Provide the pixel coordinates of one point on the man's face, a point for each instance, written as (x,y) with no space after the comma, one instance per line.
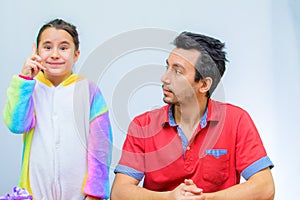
(179,86)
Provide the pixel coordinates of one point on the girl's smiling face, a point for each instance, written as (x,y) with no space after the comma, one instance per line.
(57,49)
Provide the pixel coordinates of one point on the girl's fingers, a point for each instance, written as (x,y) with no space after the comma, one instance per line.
(33,64)
(36,57)
(33,50)
(32,68)
(40,66)
(36,60)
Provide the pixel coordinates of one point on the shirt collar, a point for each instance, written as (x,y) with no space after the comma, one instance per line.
(203,121)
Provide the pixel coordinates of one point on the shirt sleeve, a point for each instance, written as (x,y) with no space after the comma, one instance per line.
(132,161)
(18,112)
(250,151)
(99,147)
(138,175)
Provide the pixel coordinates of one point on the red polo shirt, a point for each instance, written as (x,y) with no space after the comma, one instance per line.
(225,146)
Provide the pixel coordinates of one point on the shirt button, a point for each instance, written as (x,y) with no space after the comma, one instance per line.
(188,148)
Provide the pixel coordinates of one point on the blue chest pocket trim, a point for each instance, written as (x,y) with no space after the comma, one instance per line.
(216,152)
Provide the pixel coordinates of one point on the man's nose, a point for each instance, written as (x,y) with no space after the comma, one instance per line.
(165,78)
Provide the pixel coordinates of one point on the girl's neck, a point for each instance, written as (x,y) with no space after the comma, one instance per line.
(57,80)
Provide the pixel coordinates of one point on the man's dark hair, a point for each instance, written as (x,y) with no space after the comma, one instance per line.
(211,62)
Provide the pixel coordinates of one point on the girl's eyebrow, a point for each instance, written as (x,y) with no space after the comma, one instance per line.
(63,42)
(46,42)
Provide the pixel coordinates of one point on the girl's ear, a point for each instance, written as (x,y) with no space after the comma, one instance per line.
(205,85)
(76,55)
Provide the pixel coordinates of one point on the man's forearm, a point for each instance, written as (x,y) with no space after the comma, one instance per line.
(132,192)
(260,187)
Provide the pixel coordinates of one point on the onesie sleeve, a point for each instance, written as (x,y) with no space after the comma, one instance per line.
(99,147)
(18,112)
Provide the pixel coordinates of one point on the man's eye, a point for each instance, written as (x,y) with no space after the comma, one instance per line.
(177,71)
(47,47)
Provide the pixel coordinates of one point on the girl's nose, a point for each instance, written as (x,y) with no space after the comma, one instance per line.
(55,54)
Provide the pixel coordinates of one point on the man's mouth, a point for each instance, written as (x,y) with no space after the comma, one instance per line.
(166,90)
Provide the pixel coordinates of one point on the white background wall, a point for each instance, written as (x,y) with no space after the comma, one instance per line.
(263,44)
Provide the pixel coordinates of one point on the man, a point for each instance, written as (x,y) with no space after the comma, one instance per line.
(194,148)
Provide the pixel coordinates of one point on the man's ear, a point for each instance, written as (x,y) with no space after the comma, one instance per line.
(205,84)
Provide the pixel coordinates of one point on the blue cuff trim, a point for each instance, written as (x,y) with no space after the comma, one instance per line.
(257,166)
(129,171)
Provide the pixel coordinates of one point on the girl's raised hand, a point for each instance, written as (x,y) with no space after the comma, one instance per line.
(33,64)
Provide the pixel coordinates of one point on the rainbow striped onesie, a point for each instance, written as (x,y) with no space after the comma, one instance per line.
(67,137)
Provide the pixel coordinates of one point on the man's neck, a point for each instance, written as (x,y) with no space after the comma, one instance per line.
(188,116)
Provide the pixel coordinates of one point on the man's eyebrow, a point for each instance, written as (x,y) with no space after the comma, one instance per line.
(175,65)
(179,65)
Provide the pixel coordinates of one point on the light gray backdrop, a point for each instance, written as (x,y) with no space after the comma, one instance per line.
(124,45)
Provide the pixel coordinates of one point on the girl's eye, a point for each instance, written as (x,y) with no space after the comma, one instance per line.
(47,47)
(63,48)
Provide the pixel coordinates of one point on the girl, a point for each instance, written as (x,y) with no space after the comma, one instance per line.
(64,120)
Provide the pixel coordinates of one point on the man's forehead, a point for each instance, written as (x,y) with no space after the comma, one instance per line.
(189,55)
